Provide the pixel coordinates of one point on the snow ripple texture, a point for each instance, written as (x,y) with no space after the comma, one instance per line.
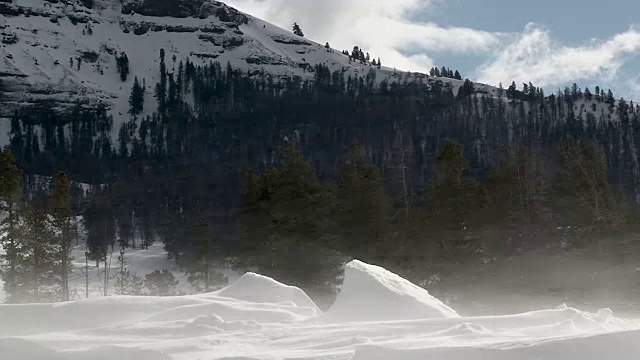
(377,315)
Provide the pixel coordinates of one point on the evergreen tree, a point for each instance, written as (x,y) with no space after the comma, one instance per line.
(518,189)
(455,201)
(161,86)
(60,208)
(10,235)
(512,91)
(355,54)
(99,222)
(204,259)
(582,186)
(122,64)
(285,226)
(609,99)
(18,143)
(161,283)
(127,283)
(297,30)
(38,269)
(363,208)
(136,99)
(123,141)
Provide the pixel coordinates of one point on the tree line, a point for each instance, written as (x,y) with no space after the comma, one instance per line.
(36,238)
(175,175)
(299,229)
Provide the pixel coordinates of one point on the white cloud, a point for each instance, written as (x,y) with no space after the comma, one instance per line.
(534,56)
(384,28)
(388,29)
(633,86)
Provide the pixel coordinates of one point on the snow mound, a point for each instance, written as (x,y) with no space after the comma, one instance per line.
(261,289)
(235,311)
(464,329)
(372,293)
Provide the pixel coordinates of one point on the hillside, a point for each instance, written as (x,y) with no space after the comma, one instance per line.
(42,42)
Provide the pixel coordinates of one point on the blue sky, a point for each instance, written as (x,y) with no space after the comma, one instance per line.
(571,23)
(551,43)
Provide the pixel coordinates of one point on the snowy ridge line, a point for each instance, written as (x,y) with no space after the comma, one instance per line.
(259,318)
(39,57)
(42,42)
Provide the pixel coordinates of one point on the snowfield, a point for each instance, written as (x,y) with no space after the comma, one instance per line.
(378,315)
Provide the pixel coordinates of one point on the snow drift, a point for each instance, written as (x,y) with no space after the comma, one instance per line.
(261,289)
(372,293)
(617,346)
(378,315)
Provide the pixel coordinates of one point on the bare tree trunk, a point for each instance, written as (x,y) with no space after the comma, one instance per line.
(12,248)
(207,285)
(106,282)
(121,272)
(404,185)
(64,263)
(86,273)
(107,268)
(133,232)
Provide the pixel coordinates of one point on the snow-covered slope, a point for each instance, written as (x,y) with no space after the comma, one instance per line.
(138,261)
(42,42)
(211,326)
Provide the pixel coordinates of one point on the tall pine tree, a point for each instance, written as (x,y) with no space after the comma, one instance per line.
(136,98)
(61,215)
(10,204)
(297,29)
(363,208)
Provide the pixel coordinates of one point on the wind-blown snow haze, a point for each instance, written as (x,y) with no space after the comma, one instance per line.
(378,315)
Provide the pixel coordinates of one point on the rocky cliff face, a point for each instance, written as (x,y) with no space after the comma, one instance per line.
(59,53)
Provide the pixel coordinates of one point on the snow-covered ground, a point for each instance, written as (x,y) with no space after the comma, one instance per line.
(139,262)
(378,315)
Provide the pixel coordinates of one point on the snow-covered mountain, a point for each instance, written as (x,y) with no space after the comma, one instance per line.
(64,52)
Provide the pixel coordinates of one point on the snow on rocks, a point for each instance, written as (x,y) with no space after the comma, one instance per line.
(261,289)
(372,293)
